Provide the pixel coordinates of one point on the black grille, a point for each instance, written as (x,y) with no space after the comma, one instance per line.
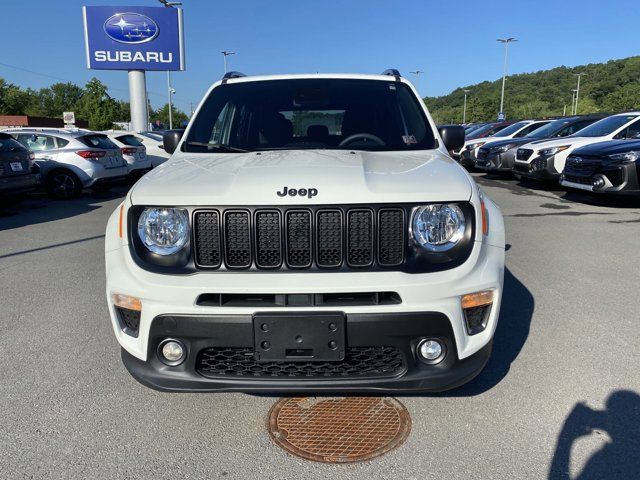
(329,238)
(523,154)
(360,238)
(207,234)
(381,361)
(297,238)
(268,239)
(391,237)
(578,179)
(580,166)
(237,239)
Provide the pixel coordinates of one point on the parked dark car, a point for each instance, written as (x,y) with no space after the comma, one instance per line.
(463,155)
(17,169)
(500,156)
(611,167)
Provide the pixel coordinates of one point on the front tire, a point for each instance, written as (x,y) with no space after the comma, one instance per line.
(63,184)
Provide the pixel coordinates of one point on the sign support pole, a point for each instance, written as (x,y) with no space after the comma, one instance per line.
(138,100)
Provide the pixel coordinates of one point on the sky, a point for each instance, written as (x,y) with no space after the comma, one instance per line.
(453,42)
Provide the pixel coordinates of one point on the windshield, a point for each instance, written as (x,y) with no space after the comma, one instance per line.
(606,126)
(548,130)
(310,114)
(505,132)
(98,141)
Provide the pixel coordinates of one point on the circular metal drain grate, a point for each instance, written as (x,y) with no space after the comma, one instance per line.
(339,430)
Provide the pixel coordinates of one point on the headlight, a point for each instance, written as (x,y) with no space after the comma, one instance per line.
(545,152)
(626,157)
(164,230)
(504,148)
(438,227)
(472,146)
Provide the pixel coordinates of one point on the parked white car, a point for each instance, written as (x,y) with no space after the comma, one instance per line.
(133,151)
(310,233)
(545,159)
(155,149)
(72,159)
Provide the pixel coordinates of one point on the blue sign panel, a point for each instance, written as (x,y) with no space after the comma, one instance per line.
(133,38)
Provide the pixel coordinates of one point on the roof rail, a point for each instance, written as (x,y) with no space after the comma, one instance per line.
(392,72)
(229,75)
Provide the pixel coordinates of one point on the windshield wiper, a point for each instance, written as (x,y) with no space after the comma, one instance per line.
(217,146)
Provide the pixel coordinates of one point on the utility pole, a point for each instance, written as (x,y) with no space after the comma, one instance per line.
(579,75)
(417,74)
(573,101)
(464,109)
(170,90)
(225,54)
(506,42)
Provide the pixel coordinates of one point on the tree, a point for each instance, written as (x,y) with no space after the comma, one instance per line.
(162,114)
(58,98)
(98,107)
(14,100)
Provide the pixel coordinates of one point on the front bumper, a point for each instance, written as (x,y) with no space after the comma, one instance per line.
(496,162)
(619,179)
(19,183)
(538,168)
(399,331)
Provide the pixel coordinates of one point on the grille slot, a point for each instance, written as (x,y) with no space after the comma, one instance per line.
(360,238)
(299,238)
(523,153)
(207,235)
(268,239)
(364,362)
(391,237)
(329,238)
(237,239)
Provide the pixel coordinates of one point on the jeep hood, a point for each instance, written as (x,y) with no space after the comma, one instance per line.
(339,176)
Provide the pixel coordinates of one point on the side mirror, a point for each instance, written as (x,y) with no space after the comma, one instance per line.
(171,139)
(452,136)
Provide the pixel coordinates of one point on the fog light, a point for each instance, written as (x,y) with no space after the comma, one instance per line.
(598,182)
(431,351)
(172,352)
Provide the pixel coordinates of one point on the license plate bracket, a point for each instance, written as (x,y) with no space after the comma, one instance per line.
(299,337)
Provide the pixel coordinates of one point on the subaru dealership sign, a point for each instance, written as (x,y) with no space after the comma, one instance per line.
(133,38)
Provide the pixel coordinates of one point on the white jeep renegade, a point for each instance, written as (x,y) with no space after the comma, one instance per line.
(309,233)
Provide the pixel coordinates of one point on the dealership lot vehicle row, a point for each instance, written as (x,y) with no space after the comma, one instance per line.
(73,410)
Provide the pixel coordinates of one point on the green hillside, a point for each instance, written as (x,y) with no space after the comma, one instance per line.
(608,87)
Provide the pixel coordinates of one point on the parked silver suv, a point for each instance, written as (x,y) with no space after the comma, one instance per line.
(73,159)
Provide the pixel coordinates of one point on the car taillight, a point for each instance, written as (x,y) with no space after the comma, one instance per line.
(91,153)
(128,150)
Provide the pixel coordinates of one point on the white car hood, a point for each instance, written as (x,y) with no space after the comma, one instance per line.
(339,176)
(573,141)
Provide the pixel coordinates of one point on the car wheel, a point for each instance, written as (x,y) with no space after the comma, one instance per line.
(63,184)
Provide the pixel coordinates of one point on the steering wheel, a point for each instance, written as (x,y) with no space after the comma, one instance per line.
(361,136)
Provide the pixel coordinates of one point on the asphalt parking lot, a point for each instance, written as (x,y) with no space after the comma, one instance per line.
(560,395)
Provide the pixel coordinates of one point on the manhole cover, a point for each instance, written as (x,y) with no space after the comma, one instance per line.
(338,430)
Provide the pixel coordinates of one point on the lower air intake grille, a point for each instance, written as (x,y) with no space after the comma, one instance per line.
(365,362)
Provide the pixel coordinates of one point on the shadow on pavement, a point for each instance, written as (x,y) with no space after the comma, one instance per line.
(619,458)
(38,208)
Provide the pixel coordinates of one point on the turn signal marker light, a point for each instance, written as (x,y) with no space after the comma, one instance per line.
(120,220)
(125,301)
(478,299)
(485,217)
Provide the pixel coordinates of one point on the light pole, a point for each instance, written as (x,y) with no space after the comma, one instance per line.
(506,42)
(225,54)
(579,75)
(464,108)
(573,101)
(417,74)
(170,90)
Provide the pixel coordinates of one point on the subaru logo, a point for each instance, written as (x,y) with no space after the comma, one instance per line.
(577,160)
(131,28)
